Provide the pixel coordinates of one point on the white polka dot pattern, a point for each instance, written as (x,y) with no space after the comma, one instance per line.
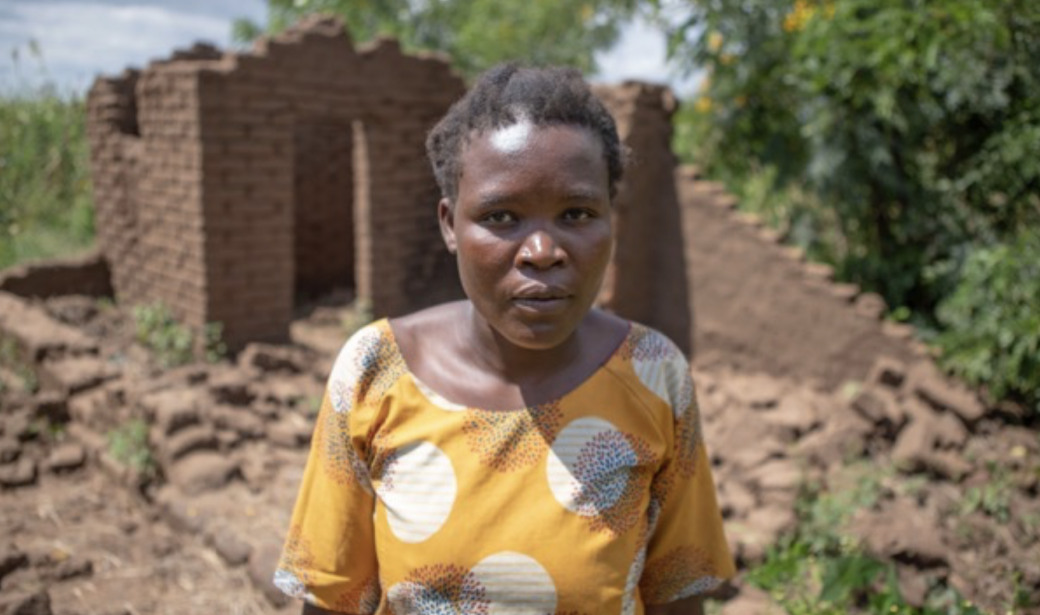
(667,374)
(350,366)
(418,489)
(588,466)
(516,584)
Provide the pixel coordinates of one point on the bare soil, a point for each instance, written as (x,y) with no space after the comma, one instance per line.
(201,529)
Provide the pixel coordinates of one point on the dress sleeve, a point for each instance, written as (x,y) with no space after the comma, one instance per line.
(687,553)
(329,558)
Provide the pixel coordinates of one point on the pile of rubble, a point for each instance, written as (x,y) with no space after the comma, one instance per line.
(226,444)
(928,444)
(202,446)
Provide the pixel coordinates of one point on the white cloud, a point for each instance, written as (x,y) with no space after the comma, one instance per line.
(641,54)
(79,40)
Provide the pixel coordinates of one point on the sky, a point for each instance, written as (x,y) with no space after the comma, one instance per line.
(79,39)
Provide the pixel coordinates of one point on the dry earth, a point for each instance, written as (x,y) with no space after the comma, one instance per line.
(85,533)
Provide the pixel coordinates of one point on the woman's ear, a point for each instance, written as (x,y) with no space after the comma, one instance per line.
(446,217)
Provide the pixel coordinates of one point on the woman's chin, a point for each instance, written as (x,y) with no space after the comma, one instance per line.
(536,334)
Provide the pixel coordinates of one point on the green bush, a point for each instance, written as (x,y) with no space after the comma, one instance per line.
(46,206)
(213,342)
(172,342)
(893,139)
(475,34)
(820,569)
(157,330)
(128,444)
(992,320)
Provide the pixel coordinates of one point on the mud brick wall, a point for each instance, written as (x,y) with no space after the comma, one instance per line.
(229,185)
(406,253)
(114,138)
(647,281)
(145,150)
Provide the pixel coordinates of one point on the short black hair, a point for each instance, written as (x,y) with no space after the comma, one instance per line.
(508,93)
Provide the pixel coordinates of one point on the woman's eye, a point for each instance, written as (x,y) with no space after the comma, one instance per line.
(499,217)
(577,215)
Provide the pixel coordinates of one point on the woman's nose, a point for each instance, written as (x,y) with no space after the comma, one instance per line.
(541,251)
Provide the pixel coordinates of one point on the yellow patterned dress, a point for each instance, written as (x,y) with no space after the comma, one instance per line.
(599,502)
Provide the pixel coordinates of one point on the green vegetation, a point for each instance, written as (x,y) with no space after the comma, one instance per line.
(475,34)
(156,329)
(213,342)
(51,431)
(46,206)
(11,359)
(128,444)
(994,497)
(172,342)
(991,321)
(896,140)
(820,569)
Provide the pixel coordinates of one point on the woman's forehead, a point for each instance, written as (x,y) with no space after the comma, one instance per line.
(512,138)
(530,157)
(517,137)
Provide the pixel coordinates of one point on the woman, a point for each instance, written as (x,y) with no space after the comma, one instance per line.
(519,451)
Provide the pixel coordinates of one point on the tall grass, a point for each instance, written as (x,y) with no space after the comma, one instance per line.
(46,207)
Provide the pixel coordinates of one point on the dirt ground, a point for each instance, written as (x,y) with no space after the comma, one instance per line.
(96,548)
(88,530)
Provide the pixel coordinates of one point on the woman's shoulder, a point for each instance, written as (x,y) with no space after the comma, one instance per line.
(658,366)
(367,365)
(645,344)
(383,338)
(428,321)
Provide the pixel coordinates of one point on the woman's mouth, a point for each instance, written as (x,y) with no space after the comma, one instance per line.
(541,299)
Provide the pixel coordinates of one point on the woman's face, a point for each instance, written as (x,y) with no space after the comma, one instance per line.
(532,229)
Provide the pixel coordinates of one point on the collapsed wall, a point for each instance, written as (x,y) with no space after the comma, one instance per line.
(229,185)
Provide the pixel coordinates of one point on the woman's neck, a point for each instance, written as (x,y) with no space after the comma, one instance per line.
(494,354)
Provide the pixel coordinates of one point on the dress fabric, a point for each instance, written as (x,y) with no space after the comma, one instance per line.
(601,501)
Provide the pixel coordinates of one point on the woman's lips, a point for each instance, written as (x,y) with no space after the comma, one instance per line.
(547,305)
(541,300)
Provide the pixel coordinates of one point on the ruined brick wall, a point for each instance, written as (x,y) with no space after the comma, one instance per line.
(256,178)
(647,281)
(145,156)
(114,136)
(408,265)
(230,186)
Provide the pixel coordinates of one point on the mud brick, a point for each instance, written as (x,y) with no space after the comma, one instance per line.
(75,374)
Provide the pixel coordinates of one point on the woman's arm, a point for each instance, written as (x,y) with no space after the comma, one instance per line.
(689,606)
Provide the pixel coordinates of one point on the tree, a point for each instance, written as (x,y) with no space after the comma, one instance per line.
(476,34)
(913,126)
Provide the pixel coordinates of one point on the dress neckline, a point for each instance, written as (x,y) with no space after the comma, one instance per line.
(446,404)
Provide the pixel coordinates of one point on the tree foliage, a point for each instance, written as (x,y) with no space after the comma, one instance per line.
(912,126)
(992,319)
(476,34)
